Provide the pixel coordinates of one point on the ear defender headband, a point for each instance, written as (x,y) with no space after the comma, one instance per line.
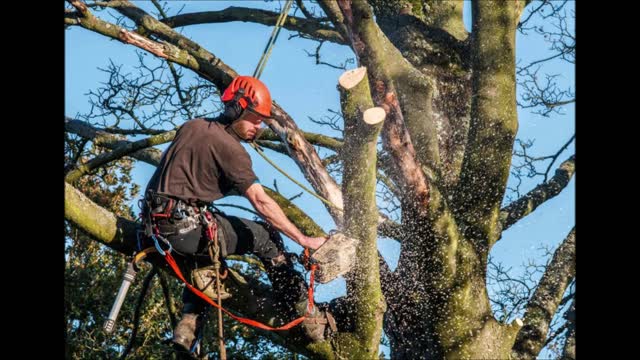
(233,108)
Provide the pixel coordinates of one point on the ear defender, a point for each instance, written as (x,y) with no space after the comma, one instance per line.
(245,92)
(233,109)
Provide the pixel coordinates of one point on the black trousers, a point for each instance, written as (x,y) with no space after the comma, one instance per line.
(242,236)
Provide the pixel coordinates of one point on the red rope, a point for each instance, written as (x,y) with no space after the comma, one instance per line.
(171,261)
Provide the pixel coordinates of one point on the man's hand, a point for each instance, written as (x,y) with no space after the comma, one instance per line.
(313,242)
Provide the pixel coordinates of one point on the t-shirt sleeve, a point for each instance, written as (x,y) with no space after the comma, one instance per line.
(235,164)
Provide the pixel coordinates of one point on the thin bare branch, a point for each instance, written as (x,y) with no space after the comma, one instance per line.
(277,147)
(124,150)
(100,138)
(328,142)
(524,206)
(312,28)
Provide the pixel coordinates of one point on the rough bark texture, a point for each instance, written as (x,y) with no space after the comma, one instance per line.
(444,60)
(544,302)
(494,122)
(361,217)
(569,350)
(541,193)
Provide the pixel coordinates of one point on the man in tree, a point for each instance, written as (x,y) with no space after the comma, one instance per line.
(206,162)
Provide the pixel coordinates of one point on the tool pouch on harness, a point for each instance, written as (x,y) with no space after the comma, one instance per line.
(204,279)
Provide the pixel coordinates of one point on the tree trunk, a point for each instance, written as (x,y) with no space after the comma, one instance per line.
(363,123)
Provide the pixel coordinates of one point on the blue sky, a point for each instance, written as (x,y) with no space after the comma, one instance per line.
(305,89)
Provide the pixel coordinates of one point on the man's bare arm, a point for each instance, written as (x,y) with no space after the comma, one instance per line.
(273,214)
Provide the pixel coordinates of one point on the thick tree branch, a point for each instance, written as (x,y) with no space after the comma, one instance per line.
(312,28)
(395,81)
(209,67)
(118,153)
(116,232)
(313,138)
(101,138)
(524,206)
(333,12)
(381,57)
(569,350)
(494,122)
(362,125)
(544,302)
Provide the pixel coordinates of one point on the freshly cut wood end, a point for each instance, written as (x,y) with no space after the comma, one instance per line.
(351,78)
(374,115)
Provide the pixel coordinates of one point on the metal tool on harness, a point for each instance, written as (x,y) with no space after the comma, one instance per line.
(128,278)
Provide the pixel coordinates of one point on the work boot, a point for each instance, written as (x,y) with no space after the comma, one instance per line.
(185,332)
(315,323)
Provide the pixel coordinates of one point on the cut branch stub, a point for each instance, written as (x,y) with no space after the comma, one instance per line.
(374,115)
(351,78)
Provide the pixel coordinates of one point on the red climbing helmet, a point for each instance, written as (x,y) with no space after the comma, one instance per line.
(248,92)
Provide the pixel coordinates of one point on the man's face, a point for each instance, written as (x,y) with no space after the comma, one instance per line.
(247,125)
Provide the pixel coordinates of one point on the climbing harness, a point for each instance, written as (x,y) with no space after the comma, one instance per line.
(162,246)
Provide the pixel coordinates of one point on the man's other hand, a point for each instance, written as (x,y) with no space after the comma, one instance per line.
(314,242)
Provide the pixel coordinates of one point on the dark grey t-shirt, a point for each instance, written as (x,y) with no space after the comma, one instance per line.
(204,163)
